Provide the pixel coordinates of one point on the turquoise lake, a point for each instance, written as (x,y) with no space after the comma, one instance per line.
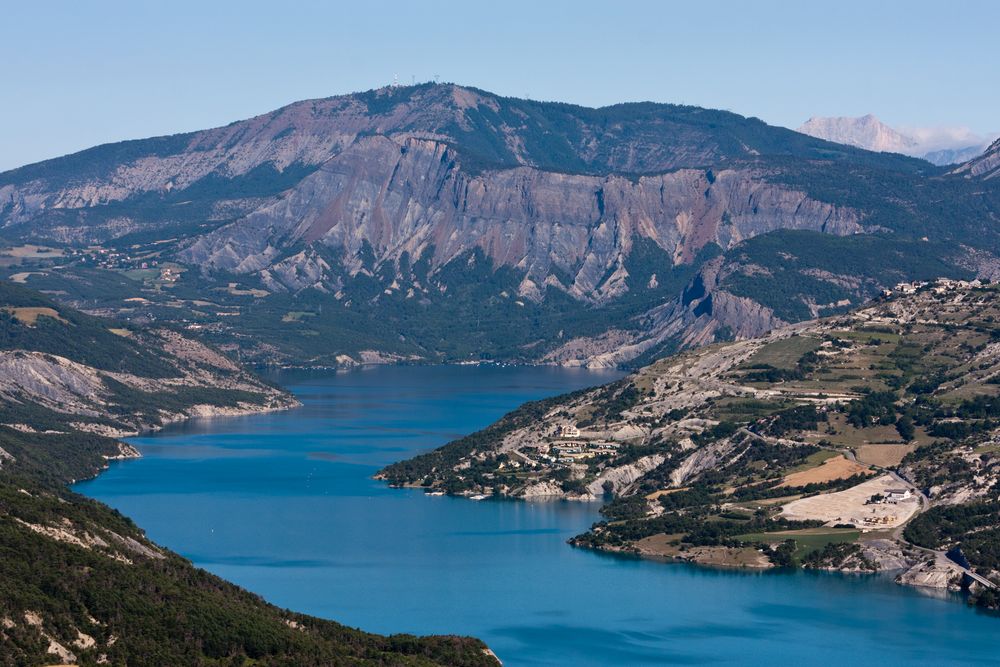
(284,505)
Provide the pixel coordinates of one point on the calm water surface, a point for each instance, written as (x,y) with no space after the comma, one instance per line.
(284,505)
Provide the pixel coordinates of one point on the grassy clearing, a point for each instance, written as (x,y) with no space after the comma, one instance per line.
(29,251)
(747,409)
(296,316)
(22,278)
(865,336)
(806,539)
(142,275)
(30,315)
(234,290)
(848,436)
(813,460)
(784,353)
(988,448)
(884,456)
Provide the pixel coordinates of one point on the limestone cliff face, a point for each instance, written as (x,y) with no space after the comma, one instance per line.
(985,166)
(613,208)
(411,195)
(502,130)
(702,314)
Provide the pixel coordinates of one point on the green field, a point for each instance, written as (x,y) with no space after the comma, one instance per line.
(813,460)
(806,539)
(784,353)
(296,316)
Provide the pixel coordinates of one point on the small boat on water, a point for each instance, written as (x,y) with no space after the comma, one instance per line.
(478,496)
(434,493)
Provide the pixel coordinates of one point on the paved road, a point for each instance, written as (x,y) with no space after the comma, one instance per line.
(941,557)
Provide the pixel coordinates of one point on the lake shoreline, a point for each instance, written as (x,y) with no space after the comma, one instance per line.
(433,556)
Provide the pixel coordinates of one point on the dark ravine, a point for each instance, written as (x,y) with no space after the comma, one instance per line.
(442,223)
(860,442)
(80,583)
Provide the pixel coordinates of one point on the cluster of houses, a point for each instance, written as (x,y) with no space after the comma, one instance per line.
(572,446)
(115,260)
(103,258)
(939,286)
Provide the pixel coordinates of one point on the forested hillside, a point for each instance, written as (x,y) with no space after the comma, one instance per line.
(81,583)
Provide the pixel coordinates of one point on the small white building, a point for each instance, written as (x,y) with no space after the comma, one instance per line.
(895,495)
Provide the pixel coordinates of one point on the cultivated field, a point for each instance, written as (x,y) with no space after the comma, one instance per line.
(884,456)
(806,539)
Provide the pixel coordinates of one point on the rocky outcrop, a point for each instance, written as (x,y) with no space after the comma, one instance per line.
(935,574)
(618,480)
(941,146)
(886,554)
(398,170)
(703,313)
(71,388)
(371,199)
(985,166)
(52,381)
(407,195)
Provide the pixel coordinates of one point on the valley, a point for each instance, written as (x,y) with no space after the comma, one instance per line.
(79,582)
(464,335)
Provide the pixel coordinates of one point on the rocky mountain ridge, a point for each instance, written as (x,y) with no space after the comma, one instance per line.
(572,232)
(986,166)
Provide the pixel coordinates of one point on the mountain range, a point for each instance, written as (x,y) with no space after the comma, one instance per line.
(941,147)
(444,223)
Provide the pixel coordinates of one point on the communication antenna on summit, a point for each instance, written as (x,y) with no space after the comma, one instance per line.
(395,81)
(437,78)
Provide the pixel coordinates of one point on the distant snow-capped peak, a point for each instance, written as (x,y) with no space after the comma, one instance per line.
(866,132)
(939,145)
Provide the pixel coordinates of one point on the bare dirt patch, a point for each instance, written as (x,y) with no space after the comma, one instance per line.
(665,492)
(849,506)
(884,456)
(831,469)
(22,278)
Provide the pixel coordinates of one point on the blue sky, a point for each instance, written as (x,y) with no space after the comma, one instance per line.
(77,74)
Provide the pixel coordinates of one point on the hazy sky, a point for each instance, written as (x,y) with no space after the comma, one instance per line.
(77,74)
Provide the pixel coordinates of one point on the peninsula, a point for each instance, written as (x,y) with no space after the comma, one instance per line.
(861,442)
